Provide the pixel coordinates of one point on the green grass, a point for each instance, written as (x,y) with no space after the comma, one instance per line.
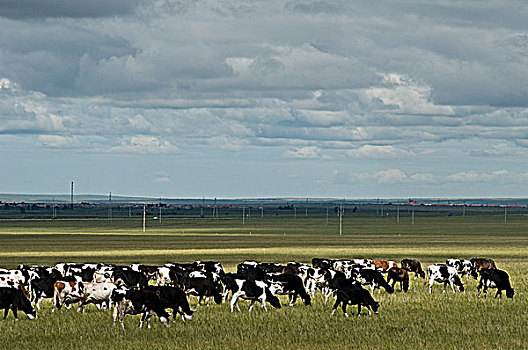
(406,321)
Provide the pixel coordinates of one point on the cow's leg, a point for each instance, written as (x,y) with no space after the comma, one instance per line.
(263,301)
(234,300)
(6,311)
(114,315)
(431,282)
(252,304)
(336,304)
(499,293)
(359,309)
(452,286)
(142,319)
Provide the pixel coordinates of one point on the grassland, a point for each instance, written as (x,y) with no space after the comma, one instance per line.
(411,320)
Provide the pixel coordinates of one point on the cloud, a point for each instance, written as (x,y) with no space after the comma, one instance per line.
(58,141)
(390,176)
(19,9)
(145,145)
(378,152)
(473,176)
(308,152)
(163,179)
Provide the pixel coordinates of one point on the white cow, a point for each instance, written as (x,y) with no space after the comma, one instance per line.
(98,294)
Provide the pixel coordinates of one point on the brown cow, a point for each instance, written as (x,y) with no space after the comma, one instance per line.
(478,264)
(399,275)
(66,293)
(384,265)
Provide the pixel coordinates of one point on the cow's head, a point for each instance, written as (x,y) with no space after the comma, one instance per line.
(510,292)
(272,299)
(375,307)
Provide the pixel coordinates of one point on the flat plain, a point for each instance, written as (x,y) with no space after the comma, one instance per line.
(406,320)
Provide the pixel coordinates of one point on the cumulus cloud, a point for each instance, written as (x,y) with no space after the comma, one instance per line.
(474,176)
(308,152)
(390,176)
(58,141)
(145,145)
(378,152)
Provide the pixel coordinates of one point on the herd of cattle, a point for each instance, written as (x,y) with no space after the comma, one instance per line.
(150,290)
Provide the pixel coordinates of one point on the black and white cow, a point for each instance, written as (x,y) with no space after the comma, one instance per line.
(133,302)
(175,299)
(14,299)
(463,267)
(355,295)
(291,285)
(253,290)
(322,263)
(413,265)
(493,278)
(372,278)
(443,274)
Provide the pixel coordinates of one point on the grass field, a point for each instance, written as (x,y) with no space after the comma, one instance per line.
(411,320)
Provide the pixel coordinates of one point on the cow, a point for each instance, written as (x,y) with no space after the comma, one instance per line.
(133,302)
(315,278)
(355,295)
(374,279)
(97,293)
(291,285)
(397,274)
(253,290)
(443,274)
(66,293)
(479,264)
(203,286)
(322,263)
(174,298)
(42,288)
(14,299)
(493,278)
(413,265)
(463,267)
(130,278)
(384,265)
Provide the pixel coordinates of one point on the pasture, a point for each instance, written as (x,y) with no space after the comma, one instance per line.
(406,320)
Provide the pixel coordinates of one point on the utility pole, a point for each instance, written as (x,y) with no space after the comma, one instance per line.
(397,213)
(110,207)
(341,220)
(243,216)
(144,217)
(71,196)
(412,221)
(262,211)
(505,214)
(327,216)
(160,211)
(306,211)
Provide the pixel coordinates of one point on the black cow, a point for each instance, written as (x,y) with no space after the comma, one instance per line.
(174,298)
(355,296)
(413,265)
(135,302)
(203,287)
(493,278)
(292,285)
(14,299)
(322,263)
(130,278)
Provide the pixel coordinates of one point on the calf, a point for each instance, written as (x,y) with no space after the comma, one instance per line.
(133,302)
(493,278)
(355,296)
(253,290)
(14,299)
(463,267)
(174,298)
(291,285)
(398,275)
(413,265)
(443,274)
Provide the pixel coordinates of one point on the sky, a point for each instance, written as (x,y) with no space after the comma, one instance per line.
(275,98)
